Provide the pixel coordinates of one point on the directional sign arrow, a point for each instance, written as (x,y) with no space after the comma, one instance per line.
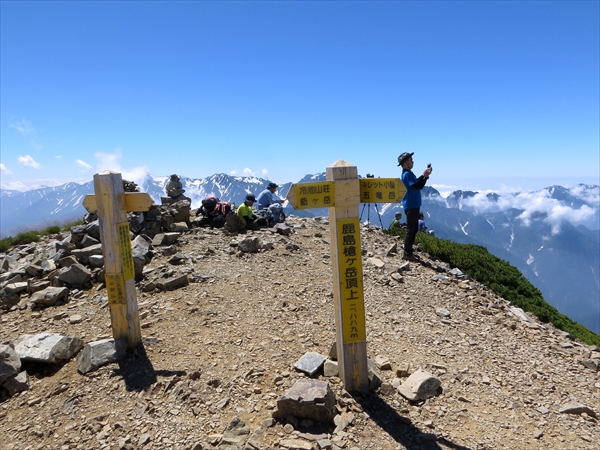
(134,201)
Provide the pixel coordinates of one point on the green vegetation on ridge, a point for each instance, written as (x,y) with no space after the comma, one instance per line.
(29,236)
(502,278)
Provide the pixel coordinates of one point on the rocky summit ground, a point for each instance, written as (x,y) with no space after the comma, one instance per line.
(224,347)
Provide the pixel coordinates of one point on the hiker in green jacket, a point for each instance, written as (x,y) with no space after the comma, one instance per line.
(246,213)
(396,225)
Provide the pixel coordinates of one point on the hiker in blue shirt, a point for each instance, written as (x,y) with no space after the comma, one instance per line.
(267,199)
(411,200)
(422,226)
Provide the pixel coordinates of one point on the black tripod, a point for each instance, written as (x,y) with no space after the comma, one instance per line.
(368,206)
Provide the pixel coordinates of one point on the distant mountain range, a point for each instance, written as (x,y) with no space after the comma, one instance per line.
(551,235)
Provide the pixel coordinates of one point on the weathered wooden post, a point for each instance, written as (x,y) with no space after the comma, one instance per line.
(111,204)
(348,293)
(342,193)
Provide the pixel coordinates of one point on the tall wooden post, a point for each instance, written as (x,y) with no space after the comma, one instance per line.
(110,200)
(348,291)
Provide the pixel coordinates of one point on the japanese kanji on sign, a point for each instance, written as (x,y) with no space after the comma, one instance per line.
(342,193)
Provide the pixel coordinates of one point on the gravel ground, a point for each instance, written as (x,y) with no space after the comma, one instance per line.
(224,347)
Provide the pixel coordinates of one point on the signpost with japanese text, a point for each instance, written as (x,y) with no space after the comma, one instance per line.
(342,193)
(111,204)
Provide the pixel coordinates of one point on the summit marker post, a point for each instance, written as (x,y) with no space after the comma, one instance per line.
(342,193)
(111,204)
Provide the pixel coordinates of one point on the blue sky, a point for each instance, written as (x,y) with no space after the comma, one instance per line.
(496,95)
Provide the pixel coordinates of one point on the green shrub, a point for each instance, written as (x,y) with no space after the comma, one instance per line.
(52,229)
(5,244)
(67,226)
(26,237)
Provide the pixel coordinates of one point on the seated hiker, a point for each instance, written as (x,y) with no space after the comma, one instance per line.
(213,211)
(422,226)
(246,213)
(267,199)
(396,225)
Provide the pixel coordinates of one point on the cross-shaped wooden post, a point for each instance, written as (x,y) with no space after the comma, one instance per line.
(342,193)
(111,204)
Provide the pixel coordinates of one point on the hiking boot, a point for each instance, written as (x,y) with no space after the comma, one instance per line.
(410,257)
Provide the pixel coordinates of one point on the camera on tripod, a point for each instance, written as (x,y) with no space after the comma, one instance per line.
(368,206)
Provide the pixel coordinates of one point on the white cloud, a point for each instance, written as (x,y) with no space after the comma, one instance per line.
(534,204)
(3,169)
(108,161)
(444,190)
(29,185)
(264,172)
(28,161)
(24,127)
(247,172)
(15,186)
(83,164)
(587,195)
(233,172)
(58,156)
(137,174)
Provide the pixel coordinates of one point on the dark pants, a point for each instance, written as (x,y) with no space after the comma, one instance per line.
(255,224)
(412,224)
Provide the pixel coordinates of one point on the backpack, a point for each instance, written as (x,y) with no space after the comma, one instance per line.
(213,207)
(208,205)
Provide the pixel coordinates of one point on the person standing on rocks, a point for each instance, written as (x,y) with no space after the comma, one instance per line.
(412,200)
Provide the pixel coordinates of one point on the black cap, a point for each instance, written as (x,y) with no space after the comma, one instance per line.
(250,198)
(272,185)
(403,157)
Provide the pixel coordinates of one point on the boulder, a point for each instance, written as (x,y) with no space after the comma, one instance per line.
(100,353)
(83,255)
(234,436)
(165,238)
(375,380)
(574,407)
(47,348)
(97,261)
(140,250)
(173,283)
(421,385)
(49,296)
(331,368)
(36,286)
(8,300)
(88,241)
(310,363)
(307,399)
(92,229)
(76,276)
(18,383)
(16,288)
(249,244)
(10,363)
(67,261)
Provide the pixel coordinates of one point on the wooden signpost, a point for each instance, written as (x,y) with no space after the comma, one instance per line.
(342,193)
(111,204)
